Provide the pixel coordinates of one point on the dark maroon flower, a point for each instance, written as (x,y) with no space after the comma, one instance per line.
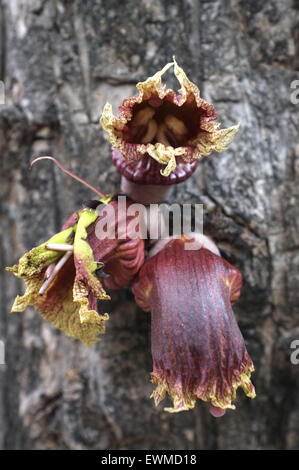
(197,347)
(160,135)
(68,274)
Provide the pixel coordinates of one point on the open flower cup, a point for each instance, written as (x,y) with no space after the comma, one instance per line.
(160,135)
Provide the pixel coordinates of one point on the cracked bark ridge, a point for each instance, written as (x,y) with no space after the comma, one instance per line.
(61,61)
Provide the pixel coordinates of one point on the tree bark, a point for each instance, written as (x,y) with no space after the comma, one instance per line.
(60,62)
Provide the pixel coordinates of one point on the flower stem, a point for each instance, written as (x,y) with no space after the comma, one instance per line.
(144,193)
(70,173)
(55,271)
(59,247)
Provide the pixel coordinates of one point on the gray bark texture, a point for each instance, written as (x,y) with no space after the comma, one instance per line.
(60,62)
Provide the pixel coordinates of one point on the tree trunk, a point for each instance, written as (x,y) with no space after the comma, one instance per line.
(60,62)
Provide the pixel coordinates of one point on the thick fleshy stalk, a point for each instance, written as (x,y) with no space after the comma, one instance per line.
(143,194)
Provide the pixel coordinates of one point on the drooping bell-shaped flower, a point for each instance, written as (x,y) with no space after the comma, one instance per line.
(197,347)
(160,135)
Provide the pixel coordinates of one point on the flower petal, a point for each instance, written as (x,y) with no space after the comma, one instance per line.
(148,171)
(122,254)
(214,138)
(182,129)
(37,259)
(68,298)
(78,318)
(197,347)
(86,280)
(69,302)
